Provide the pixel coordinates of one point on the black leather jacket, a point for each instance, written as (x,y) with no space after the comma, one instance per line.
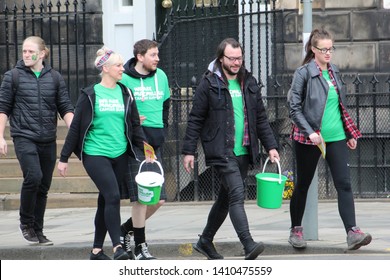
(308,95)
(83,118)
(212,119)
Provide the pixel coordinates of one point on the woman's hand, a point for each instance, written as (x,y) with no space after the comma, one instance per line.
(62,168)
(352,143)
(315,138)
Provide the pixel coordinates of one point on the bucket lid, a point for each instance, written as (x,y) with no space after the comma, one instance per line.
(149,179)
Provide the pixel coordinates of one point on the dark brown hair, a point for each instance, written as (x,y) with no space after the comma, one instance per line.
(142,46)
(315,36)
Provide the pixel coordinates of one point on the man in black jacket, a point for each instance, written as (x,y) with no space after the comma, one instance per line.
(32,103)
(229,117)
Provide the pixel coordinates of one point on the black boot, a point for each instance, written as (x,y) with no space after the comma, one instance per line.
(254,250)
(206,248)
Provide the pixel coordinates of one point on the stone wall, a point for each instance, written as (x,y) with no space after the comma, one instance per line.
(361,30)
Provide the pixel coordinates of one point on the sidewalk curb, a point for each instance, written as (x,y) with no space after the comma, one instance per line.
(181,250)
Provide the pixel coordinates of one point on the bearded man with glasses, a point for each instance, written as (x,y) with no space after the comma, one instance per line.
(229,117)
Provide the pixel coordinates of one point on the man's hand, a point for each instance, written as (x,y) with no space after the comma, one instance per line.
(188,162)
(142,118)
(273,154)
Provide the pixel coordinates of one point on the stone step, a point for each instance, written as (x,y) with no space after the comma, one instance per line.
(62,131)
(10,168)
(59,185)
(11,149)
(55,201)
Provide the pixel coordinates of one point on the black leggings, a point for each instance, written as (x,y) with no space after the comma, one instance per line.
(106,173)
(307,157)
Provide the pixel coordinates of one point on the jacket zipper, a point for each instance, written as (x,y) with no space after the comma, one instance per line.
(86,131)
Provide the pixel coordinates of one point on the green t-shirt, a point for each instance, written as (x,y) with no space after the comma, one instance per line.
(236,94)
(106,136)
(150,94)
(332,125)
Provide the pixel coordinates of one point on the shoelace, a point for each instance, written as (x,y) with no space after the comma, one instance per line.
(128,242)
(299,234)
(30,232)
(145,252)
(357,230)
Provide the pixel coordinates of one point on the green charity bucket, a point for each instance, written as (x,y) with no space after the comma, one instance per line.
(270,187)
(149,185)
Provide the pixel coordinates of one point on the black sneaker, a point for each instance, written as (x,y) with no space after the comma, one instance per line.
(120,254)
(142,253)
(206,248)
(126,243)
(43,240)
(99,256)
(254,251)
(29,234)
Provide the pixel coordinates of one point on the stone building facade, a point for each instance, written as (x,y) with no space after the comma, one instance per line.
(361,30)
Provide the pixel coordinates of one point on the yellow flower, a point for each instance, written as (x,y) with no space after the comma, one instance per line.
(289,185)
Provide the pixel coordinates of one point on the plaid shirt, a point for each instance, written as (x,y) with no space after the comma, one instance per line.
(350,128)
(245,140)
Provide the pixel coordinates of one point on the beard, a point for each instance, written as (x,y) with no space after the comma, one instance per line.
(228,70)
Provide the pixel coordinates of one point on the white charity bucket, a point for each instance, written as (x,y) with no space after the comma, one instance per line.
(149,185)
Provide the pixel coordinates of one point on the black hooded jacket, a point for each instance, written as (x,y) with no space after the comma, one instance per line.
(212,120)
(154,136)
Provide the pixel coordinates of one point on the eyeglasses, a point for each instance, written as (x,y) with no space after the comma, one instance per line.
(233,59)
(325,50)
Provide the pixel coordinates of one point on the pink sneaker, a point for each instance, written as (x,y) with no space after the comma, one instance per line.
(356,238)
(296,238)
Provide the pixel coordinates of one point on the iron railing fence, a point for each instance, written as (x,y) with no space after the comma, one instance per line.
(188,45)
(66,28)
(370,162)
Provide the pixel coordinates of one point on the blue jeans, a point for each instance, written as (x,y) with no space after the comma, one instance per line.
(37,161)
(230,200)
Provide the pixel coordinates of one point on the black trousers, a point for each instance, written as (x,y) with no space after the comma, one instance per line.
(337,158)
(37,161)
(230,200)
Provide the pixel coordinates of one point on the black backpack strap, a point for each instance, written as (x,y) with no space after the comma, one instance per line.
(15,79)
(56,79)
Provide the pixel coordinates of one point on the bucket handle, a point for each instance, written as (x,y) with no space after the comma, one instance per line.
(280,172)
(158,163)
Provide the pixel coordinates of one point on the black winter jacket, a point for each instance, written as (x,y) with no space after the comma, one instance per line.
(33,108)
(212,119)
(83,118)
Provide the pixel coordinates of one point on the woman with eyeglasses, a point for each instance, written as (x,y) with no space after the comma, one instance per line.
(322,126)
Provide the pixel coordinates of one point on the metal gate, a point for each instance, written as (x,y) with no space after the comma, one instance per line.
(187,45)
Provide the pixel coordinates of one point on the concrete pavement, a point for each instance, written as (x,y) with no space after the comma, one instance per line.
(172,230)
